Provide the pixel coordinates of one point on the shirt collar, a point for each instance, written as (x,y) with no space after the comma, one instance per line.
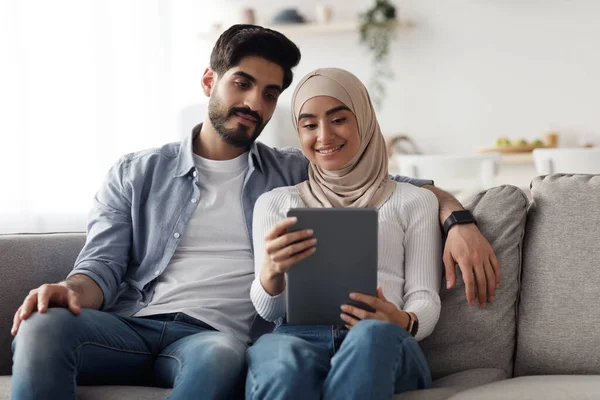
(254,159)
(185,158)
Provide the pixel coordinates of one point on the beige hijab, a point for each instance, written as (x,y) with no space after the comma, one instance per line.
(364,181)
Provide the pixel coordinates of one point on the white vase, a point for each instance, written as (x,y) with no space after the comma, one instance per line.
(324,14)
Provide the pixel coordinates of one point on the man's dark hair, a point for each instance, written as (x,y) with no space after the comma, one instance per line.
(240,41)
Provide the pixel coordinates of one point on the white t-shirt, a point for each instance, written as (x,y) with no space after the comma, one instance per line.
(210,274)
(409,254)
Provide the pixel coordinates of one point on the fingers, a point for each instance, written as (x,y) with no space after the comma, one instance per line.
(301,256)
(40,299)
(280,228)
(481,284)
(496,266)
(16,322)
(374,302)
(467,274)
(283,266)
(380,294)
(73,301)
(490,281)
(450,268)
(357,312)
(43,298)
(349,320)
(292,249)
(29,305)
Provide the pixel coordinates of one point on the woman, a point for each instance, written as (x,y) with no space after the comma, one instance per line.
(370,355)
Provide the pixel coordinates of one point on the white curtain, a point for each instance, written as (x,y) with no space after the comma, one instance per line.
(82,82)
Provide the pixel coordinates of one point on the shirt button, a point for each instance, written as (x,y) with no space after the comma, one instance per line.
(176,235)
(194,201)
(195,174)
(157,272)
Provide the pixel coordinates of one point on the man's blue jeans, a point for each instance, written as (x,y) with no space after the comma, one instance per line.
(55,351)
(373,360)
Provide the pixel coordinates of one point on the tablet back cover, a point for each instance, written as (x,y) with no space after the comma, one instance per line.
(345,261)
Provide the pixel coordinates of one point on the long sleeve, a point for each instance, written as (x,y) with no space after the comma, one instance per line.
(413,181)
(422,259)
(105,255)
(269,209)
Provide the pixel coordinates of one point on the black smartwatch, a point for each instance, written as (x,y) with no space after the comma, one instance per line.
(413,324)
(458,217)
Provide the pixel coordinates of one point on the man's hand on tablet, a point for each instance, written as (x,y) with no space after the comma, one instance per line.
(384,310)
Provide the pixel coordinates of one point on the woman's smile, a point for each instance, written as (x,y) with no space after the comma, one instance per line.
(329,151)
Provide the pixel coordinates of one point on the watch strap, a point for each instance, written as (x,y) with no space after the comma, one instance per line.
(413,324)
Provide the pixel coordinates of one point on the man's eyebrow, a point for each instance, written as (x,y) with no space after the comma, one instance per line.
(275,87)
(253,80)
(327,113)
(245,75)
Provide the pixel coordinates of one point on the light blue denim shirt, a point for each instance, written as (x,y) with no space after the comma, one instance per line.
(144,206)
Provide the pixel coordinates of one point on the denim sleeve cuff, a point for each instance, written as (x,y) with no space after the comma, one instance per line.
(421,182)
(271,308)
(413,181)
(89,269)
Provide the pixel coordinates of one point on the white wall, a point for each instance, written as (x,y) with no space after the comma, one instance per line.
(468,72)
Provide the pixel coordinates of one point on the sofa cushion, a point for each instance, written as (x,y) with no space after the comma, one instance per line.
(26,262)
(445,387)
(465,337)
(471,378)
(102,392)
(427,394)
(4,387)
(559,387)
(558,310)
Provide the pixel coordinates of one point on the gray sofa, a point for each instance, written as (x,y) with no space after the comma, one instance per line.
(538,340)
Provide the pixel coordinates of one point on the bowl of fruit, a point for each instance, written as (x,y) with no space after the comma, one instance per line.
(505,145)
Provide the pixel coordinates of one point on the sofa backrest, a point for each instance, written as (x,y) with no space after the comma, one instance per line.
(26,262)
(465,337)
(469,337)
(559,306)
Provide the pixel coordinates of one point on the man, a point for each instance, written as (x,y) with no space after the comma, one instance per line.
(168,256)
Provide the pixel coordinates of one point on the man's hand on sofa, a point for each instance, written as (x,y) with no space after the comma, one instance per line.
(467,247)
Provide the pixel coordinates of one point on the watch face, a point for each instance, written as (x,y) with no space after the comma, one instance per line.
(463,216)
(458,217)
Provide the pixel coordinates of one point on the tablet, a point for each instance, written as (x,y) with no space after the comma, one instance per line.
(345,261)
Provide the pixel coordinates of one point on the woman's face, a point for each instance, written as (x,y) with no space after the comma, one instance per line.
(328,132)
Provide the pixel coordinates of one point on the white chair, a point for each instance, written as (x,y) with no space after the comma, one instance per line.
(462,175)
(568,161)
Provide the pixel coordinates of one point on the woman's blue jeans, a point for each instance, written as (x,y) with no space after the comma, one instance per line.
(373,360)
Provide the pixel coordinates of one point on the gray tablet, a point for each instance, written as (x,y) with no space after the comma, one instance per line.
(345,262)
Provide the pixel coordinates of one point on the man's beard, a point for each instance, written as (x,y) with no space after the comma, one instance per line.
(238,136)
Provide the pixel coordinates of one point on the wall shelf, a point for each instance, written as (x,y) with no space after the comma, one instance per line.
(311,28)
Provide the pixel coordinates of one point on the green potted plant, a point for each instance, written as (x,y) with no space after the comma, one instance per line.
(377,27)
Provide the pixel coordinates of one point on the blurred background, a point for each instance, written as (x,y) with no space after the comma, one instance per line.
(475,93)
